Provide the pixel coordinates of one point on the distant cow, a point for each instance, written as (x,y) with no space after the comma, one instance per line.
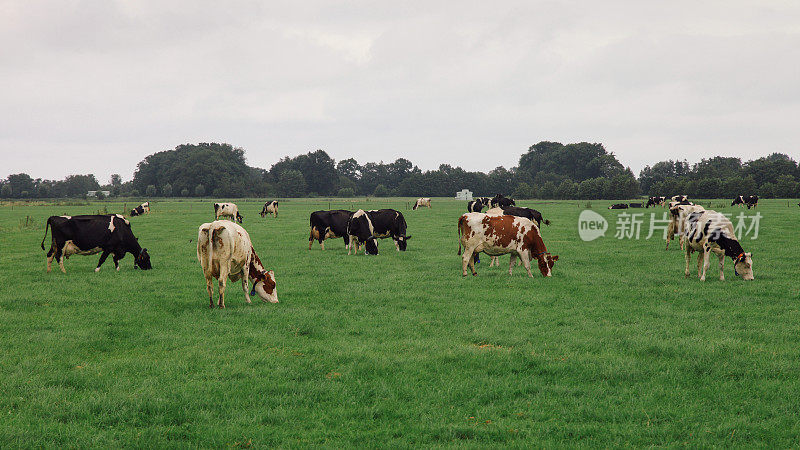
(679,198)
(503,202)
(619,206)
(528,213)
(635,205)
(709,231)
(270,207)
(677,212)
(745,200)
(227,210)
(498,235)
(422,202)
(144,208)
(329,224)
(88,235)
(365,227)
(655,201)
(225,252)
(477,205)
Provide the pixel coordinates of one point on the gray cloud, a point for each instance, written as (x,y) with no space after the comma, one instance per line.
(94,86)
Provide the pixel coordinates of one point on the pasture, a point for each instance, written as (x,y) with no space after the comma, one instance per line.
(617,348)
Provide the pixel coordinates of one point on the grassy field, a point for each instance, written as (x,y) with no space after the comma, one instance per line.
(617,348)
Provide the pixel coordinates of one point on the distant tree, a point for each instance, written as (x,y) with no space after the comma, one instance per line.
(292,184)
(6,191)
(767,190)
(199,190)
(20,182)
(381,191)
(349,168)
(150,191)
(346,192)
(166,191)
(134,193)
(184,192)
(567,189)
(116,180)
(317,169)
(548,190)
(524,191)
(785,187)
(99,195)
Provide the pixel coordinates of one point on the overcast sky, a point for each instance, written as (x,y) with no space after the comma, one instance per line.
(95,86)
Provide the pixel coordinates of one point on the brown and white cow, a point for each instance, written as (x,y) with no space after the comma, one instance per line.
(709,231)
(498,235)
(422,202)
(226,253)
(270,207)
(227,210)
(678,212)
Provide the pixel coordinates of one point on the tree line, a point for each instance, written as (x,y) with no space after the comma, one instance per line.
(548,170)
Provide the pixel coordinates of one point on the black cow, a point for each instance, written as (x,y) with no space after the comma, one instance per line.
(528,213)
(751,201)
(329,224)
(364,227)
(501,201)
(88,235)
(655,201)
(619,206)
(635,205)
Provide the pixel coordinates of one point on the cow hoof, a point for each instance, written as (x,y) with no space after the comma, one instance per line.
(475,274)
(96,269)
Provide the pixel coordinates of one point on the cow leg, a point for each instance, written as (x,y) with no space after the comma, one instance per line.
(706,261)
(210,289)
(467,260)
(222,282)
(721,266)
(670,234)
(396,245)
(50,259)
(60,258)
(245,286)
(472,264)
(311,238)
(510,263)
(527,263)
(688,256)
(102,260)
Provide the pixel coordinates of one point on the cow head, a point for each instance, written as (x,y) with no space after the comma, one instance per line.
(402,242)
(546,262)
(371,246)
(743,266)
(239,217)
(143,260)
(266,287)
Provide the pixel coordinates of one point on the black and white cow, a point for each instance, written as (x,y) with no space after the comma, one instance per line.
(477,205)
(619,206)
(503,202)
(329,224)
(227,210)
(422,201)
(89,235)
(750,201)
(528,213)
(709,231)
(144,208)
(364,227)
(270,207)
(655,201)
(679,198)
(635,205)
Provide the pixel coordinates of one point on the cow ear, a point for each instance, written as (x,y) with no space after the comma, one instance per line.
(555,257)
(408,237)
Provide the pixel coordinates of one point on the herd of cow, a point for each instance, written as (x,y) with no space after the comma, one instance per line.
(225,251)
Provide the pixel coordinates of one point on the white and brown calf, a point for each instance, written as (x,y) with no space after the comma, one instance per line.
(227,210)
(422,202)
(678,212)
(709,231)
(498,235)
(226,253)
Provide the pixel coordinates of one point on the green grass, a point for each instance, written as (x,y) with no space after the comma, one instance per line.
(617,348)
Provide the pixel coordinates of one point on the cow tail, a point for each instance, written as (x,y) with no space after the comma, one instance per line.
(546,222)
(210,248)
(45,232)
(459,237)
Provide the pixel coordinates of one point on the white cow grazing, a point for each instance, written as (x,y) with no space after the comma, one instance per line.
(677,213)
(227,210)
(225,252)
(422,202)
(709,231)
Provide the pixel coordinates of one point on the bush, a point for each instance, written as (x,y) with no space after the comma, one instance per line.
(184,192)
(381,191)
(150,191)
(524,191)
(199,190)
(346,192)
(166,191)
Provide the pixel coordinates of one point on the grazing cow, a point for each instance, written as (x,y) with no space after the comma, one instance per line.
(528,213)
(144,208)
(270,207)
(619,206)
(422,202)
(655,201)
(364,227)
(88,235)
(635,205)
(329,224)
(503,202)
(225,252)
(679,198)
(738,201)
(498,235)
(751,201)
(677,212)
(227,210)
(709,231)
